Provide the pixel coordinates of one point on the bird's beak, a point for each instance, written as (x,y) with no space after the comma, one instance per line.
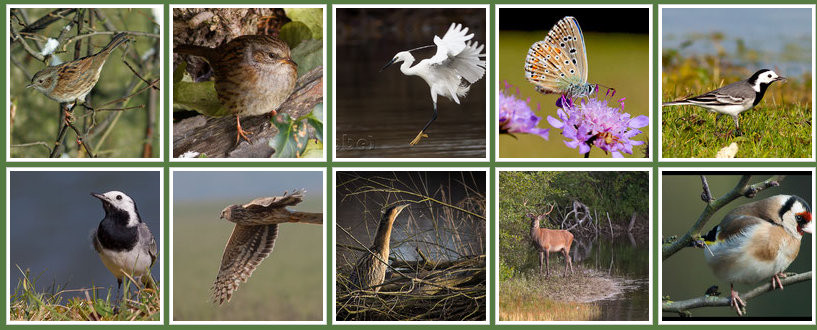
(387,64)
(29,85)
(809,228)
(781,79)
(101,197)
(400,208)
(289,61)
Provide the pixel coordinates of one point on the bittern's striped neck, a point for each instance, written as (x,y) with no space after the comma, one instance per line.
(383,235)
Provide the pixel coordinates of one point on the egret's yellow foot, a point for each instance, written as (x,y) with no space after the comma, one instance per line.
(418,137)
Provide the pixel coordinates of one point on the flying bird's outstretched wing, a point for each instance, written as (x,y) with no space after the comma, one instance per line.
(247,247)
(276,202)
(256,227)
(457,56)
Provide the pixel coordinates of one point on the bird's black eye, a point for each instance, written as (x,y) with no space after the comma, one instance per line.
(770,75)
(272,56)
(40,81)
(119,197)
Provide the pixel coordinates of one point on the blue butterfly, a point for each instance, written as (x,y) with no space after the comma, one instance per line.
(558,64)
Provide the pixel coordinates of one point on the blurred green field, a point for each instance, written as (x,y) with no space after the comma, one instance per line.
(780,126)
(619,61)
(286,286)
(118,134)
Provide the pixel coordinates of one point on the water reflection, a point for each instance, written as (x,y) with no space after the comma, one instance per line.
(625,258)
(378,113)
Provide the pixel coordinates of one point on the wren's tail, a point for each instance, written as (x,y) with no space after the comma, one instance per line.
(117,40)
(200,51)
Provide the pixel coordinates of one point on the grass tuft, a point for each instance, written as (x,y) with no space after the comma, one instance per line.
(778,127)
(52,304)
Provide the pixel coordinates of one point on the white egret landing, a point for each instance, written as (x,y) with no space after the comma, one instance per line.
(457,65)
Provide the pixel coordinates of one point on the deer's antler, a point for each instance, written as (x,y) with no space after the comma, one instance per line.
(551,208)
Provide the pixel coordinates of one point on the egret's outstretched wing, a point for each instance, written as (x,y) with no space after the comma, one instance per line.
(452,43)
(457,56)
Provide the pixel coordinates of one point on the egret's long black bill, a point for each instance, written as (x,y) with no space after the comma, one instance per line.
(387,64)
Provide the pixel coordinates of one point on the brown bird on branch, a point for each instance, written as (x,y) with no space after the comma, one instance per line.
(371,267)
(254,74)
(256,227)
(72,81)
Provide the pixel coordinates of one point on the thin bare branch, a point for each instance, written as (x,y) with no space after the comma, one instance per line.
(742,188)
(683,306)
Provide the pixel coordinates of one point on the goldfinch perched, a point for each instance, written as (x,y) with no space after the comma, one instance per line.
(758,241)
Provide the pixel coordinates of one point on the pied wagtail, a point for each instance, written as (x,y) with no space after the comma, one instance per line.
(734,98)
(122,240)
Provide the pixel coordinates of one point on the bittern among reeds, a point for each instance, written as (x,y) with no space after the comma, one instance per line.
(370,270)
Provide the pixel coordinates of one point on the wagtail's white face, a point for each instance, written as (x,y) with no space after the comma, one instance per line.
(765,77)
(118,202)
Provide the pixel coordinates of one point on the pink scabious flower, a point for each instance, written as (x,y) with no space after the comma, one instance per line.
(515,115)
(591,122)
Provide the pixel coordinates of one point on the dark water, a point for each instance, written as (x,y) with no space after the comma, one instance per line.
(378,113)
(626,260)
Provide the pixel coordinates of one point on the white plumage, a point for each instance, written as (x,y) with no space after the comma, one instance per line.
(457,64)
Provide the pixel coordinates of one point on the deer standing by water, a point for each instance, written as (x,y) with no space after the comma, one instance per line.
(549,240)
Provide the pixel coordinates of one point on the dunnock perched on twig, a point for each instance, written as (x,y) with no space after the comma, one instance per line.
(254,74)
(72,81)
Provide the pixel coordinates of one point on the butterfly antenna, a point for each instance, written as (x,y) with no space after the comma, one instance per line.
(611,92)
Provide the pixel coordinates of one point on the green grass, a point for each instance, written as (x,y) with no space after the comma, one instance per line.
(30,303)
(769,131)
(778,127)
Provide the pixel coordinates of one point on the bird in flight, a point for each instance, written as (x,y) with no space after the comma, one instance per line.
(253,237)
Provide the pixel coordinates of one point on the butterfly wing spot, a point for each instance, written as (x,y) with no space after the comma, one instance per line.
(558,63)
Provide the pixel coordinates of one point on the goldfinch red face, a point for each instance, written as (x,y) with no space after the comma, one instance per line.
(796,211)
(804,223)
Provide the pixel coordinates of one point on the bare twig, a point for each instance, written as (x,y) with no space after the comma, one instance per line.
(32,144)
(706,195)
(61,133)
(81,141)
(15,35)
(48,19)
(683,306)
(77,38)
(151,84)
(742,188)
